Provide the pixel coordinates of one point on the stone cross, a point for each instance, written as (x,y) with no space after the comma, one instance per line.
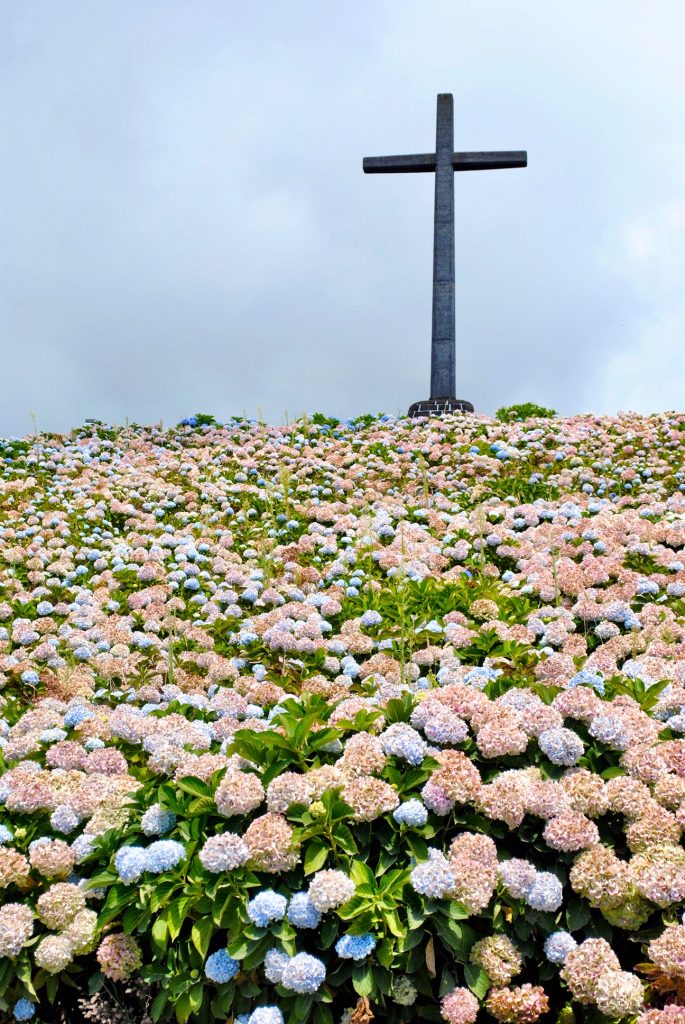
(444,162)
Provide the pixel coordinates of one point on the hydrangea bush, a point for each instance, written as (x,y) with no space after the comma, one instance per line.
(342,722)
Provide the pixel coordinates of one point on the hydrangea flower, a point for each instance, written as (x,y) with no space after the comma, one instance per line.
(355,947)
(301,911)
(403,741)
(265,907)
(220,967)
(433,877)
(64,819)
(411,812)
(24,1009)
(274,962)
(303,973)
(130,862)
(586,677)
(266,1015)
(558,945)
(546,893)
(164,855)
(562,746)
(157,820)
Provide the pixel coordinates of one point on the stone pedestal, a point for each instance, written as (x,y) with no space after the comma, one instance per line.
(439,406)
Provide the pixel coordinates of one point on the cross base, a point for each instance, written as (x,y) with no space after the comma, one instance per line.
(439,406)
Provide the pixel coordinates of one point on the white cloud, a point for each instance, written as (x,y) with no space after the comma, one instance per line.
(184,222)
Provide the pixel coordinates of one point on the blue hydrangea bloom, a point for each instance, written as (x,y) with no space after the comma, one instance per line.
(562,746)
(558,946)
(266,1015)
(433,877)
(63,819)
(546,893)
(402,740)
(5,835)
(371,618)
(24,1009)
(83,846)
(411,812)
(75,716)
(157,820)
(265,907)
(31,678)
(301,911)
(164,855)
(220,967)
(479,676)
(274,963)
(303,974)
(52,735)
(609,729)
(355,947)
(586,677)
(129,863)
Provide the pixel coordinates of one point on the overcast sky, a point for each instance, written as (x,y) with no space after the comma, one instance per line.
(185,225)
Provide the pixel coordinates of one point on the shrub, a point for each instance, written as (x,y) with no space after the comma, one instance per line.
(523,411)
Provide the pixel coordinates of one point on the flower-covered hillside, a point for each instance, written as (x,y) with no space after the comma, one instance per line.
(344,722)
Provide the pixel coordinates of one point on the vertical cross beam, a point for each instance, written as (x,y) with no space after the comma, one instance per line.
(443,377)
(444,162)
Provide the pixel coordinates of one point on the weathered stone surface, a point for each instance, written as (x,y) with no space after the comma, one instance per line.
(439,406)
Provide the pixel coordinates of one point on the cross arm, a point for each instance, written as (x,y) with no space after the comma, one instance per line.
(489,161)
(399,164)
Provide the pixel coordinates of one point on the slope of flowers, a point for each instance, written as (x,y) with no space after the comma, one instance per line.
(338,723)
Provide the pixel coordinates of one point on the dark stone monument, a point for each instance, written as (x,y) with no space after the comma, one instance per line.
(444,162)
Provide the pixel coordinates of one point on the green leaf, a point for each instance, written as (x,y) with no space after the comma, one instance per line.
(300,1010)
(240,948)
(201,935)
(95,982)
(201,805)
(344,839)
(102,880)
(451,934)
(255,957)
(195,997)
(477,980)
(415,917)
(161,894)
(362,979)
(23,972)
(118,897)
(176,914)
(182,1008)
(322,1014)
(315,856)
(361,874)
(328,932)
(578,914)
(394,924)
(193,786)
(385,953)
(160,935)
(133,918)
